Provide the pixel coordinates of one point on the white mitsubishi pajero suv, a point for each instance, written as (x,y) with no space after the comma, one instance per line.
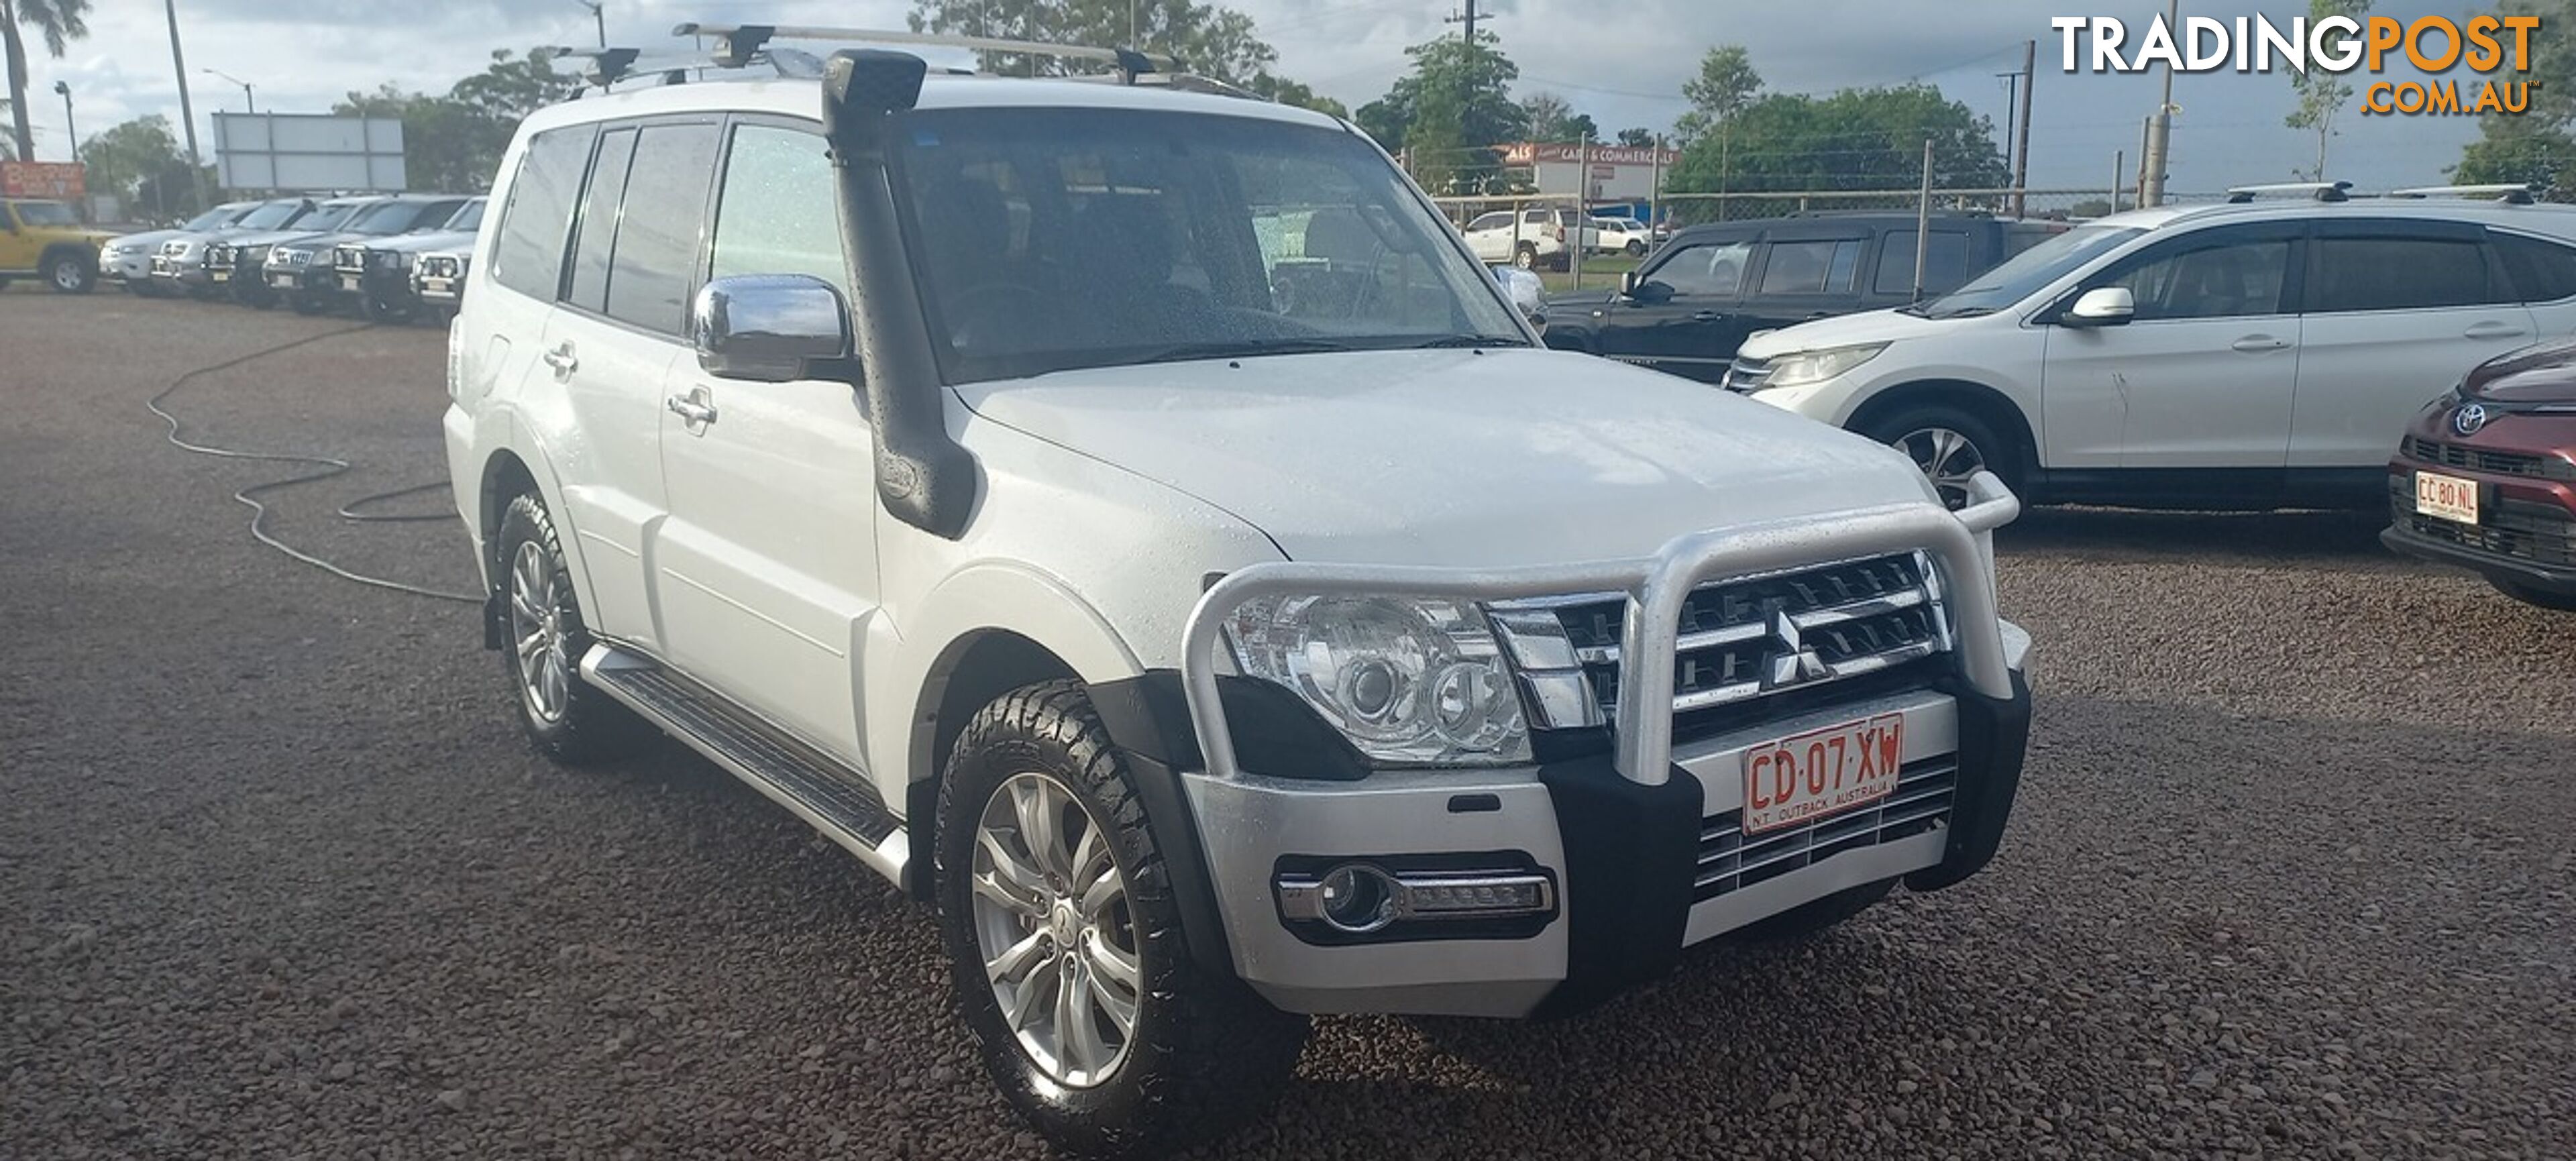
(1131,520)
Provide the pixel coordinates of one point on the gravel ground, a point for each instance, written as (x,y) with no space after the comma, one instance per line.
(2291,874)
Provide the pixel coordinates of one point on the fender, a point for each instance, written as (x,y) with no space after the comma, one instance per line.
(498,428)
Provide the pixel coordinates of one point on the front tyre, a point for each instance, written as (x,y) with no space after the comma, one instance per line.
(70,272)
(1950,446)
(309,303)
(566,718)
(1065,943)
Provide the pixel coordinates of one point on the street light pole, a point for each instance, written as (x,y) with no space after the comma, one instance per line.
(69,126)
(598,16)
(248,105)
(187,112)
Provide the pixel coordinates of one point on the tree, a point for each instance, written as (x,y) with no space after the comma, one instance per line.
(1450,112)
(2535,146)
(60,22)
(2322,94)
(1637,138)
(455,142)
(1288,92)
(1552,119)
(125,156)
(1726,84)
(1211,41)
(1856,139)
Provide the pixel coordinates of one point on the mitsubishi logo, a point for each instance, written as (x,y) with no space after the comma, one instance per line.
(1793,663)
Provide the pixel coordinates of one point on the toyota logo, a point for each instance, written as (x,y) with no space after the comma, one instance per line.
(2469,418)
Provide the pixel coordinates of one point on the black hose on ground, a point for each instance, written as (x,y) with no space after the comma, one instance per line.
(328,468)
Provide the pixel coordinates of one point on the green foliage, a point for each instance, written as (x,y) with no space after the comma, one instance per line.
(1637,138)
(1551,118)
(58,22)
(1856,139)
(2538,145)
(2322,94)
(1450,112)
(1725,86)
(1209,40)
(142,165)
(1288,92)
(454,143)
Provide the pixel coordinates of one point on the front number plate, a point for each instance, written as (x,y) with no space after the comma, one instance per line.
(349,282)
(2446,497)
(1822,772)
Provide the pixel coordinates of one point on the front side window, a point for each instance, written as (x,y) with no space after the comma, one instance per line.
(1821,267)
(1490,222)
(775,212)
(528,256)
(46,214)
(2395,273)
(2227,281)
(2030,271)
(1061,238)
(1707,269)
(657,227)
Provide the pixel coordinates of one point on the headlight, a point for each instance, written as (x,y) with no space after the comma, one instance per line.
(1809,367)
(1411,682)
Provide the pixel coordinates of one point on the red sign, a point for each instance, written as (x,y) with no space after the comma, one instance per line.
(43,179)
(1526,153)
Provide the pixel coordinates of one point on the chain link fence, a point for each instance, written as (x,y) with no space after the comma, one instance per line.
(1699,208)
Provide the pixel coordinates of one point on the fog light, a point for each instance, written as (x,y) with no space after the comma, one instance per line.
(1357,898)
(1363,898)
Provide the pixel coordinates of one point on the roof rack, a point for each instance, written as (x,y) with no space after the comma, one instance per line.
(2324,191)
(741,40)
(2511,193)
(608,66)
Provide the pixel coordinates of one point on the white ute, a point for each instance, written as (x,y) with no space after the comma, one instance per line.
(1130,519)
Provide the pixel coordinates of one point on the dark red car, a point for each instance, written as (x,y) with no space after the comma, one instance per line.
(2486,477)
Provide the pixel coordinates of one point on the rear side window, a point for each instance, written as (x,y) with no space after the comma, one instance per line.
(658,229)
(2393,273)
(775,214)
(598,227)
(1945,263)
(1823,267)
(528,255)
(2541,271)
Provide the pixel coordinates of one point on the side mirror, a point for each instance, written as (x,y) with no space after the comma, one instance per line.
(1629,284)
(769,328)
(1527,293)
(2102,306)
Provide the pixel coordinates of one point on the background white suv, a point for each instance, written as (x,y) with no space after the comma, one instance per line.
(2244,355)
(1539,239)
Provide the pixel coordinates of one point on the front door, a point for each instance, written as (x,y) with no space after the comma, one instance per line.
(2201,377)
(767,567)
(1683,319)
(2397,311)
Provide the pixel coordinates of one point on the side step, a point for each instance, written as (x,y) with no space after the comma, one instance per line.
(823,791)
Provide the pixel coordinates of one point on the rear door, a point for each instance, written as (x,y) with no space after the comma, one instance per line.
(2202,377)
(1683,318)
(1946,265)
(2397,310)
(767,568)
(1807,271)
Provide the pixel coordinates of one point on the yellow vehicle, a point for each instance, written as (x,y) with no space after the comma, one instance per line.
(46,239)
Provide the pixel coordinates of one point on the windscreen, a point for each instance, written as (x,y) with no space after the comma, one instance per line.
(396,217)
(1060,238)
(46,214)
(211,218)
(2028,271)
(469,218)
(271,216)
(326,218)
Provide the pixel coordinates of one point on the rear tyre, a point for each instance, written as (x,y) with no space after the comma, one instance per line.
(2528,595)
(1950,446)
(1054,898)
(567,719)
(70,272)
(1525,256)
(1636,249)
(1811,919)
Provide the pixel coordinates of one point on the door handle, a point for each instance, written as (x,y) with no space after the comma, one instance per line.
(562,360)
(2492,330)
(1705,316)
(2258,344)
(692,409)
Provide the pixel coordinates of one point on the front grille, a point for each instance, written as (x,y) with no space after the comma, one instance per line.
(219,255)
(1729,861)
(349,259)
(2500,463)
(1747,375)
(438,267)
(2519,529)
(1745,644)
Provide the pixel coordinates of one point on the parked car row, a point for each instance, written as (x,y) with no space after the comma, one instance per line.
(2257,354)
(388,257)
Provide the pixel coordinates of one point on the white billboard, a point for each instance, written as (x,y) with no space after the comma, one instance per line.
(309,152)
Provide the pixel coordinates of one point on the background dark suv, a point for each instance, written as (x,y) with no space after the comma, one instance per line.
(1698,297)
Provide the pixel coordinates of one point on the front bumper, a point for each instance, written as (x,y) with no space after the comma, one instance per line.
(1639,844)
(124,268)
(315,280)
(2526,534)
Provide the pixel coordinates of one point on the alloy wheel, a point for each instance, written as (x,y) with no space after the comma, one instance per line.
(1947,458)
(1053,927)
(537,633)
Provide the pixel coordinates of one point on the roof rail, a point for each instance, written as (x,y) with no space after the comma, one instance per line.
(608,66)
(2324,191)
(2510,193)
(741,39)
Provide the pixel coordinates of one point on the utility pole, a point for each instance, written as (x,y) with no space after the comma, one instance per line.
(2119,174)
(598,17)
(187,112)
(2146,141)
(1469,20)
(2160,142)
(2021,147)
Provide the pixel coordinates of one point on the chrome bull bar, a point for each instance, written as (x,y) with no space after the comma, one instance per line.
(1958,543)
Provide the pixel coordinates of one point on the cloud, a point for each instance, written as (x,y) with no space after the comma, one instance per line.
(1623,64)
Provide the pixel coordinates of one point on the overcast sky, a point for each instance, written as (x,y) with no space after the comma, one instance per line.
(1624,64)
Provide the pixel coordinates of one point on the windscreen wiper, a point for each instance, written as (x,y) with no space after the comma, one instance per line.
(1470,341)
(1244,348)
